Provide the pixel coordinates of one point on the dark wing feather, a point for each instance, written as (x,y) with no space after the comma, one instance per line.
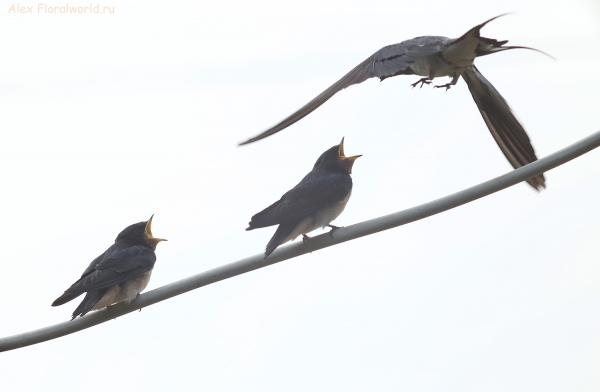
(505,128)
(63,299)
(389,61)
(282,232)
(317,190)
(116,268)
(92,267)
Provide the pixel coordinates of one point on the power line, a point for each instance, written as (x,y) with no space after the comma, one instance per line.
(299,248)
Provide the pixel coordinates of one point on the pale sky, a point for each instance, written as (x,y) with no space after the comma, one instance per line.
(109,118)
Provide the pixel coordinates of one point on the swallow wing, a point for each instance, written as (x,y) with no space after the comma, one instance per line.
(319,189)
(115,268)
(389,61)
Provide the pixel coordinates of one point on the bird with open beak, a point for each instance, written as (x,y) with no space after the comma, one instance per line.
(119,274)
(315,202)
(433,57)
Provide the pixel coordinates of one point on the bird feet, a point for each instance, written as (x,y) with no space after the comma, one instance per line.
(305,239)
(447,85)
(422,81)
(333,229)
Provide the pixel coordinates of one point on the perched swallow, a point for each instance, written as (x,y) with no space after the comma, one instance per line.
(119,274)
(315,202)
(432,57)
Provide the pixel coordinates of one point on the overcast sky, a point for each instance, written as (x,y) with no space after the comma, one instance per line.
(109,118)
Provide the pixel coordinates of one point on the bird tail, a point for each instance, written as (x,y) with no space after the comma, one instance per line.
(474,32)
(504,127)
(66,297)
(489,45)
(91,298)
(281,235)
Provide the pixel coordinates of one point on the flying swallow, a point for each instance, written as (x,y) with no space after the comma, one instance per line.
(432,57)
(315,202)
(119,274)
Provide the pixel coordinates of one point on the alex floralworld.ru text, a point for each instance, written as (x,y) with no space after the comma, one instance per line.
(44,8)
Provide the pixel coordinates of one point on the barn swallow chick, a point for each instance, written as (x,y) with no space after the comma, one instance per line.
(315,202)
(119,274)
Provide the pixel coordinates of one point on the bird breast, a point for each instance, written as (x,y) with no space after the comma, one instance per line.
(319,219)
(433,66)
(329,214)
(451,59)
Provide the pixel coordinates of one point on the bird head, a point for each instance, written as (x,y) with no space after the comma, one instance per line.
(334,157)
(140,233)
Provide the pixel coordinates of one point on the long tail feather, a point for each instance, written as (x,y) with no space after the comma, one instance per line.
(504,127)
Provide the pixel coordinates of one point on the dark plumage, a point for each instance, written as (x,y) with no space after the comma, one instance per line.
(118,274)
(315,202)
(431,57)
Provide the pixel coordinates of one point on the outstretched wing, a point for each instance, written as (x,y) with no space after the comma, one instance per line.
(505,128)
(389,61)
(319,189)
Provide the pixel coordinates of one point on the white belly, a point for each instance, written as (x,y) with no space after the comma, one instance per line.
(432,67)
(124,291)
(320,219)
(452,61)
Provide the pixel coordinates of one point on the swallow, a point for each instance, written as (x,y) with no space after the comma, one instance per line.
(432,57)
(119,274)
(315,202)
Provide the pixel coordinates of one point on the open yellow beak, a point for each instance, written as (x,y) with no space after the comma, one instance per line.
(151,240)
(346,162)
